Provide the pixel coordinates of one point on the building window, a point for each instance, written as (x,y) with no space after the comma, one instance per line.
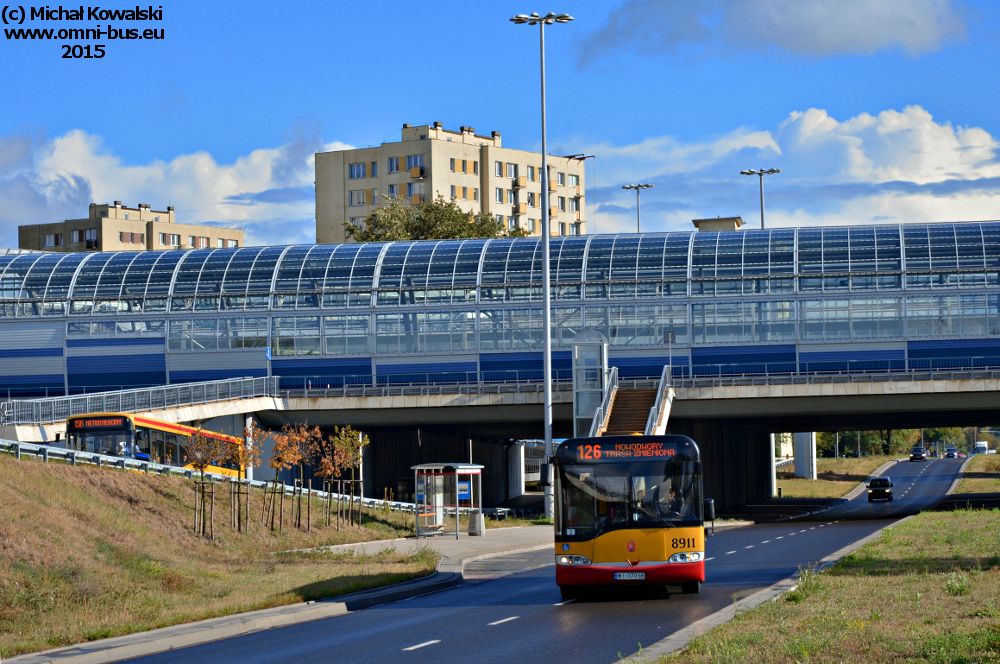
(414,188)
(531,173)
(451,165)
(163,239)
(498,195)
(356,197)
(374,169)
(475,168)
(142,238)
(54,240)
(415,160)
(499,169)
(499,218)
(126,215)
(393,190)
(76,236)
(358,222)
(511,197)
(562,203)
(511,170)
(121,237)
(393,164)
(574,180)
(562,179)
(465,166)
(531,199)
(574,205)
(190,242)
(562,228)
(175,240)
(511,223)
(232,244)
(202,243)
(156,218)
(219,243)
(104,215)
(355,171)
(465,193)
(475,194)
(90,234)
(453,192)
(531,225)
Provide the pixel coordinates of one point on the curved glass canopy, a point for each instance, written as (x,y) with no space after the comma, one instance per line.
(399,274)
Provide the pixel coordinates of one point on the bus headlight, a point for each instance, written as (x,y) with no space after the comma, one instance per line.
(572,560)
(688,557)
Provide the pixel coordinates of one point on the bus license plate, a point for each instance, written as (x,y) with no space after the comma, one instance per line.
(630,576)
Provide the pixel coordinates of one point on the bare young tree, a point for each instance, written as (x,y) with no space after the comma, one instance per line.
(204,450)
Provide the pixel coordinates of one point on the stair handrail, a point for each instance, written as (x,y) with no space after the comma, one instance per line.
(603,412)
(661,394)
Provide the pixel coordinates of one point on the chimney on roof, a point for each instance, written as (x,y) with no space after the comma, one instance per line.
(438,125)
(118,203)
(495,134)
(170,208)
(406,125)
(719,224)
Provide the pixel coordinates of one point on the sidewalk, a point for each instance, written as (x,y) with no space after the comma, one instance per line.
(455,554)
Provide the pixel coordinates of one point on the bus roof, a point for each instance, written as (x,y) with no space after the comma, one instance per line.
(618,449)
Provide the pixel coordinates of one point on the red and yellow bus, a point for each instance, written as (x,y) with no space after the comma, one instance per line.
(629,510)
(143,438)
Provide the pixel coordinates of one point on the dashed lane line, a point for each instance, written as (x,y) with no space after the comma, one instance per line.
(730,552)
(748,547)
(425,643)
(765,541)
(707,559)
(781,537)
(563,603)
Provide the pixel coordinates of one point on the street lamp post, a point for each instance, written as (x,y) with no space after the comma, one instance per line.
(541,22)
(638,188)
(582,157)
(761,172)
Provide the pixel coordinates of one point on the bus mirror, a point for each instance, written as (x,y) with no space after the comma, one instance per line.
(710,513)
(545,474)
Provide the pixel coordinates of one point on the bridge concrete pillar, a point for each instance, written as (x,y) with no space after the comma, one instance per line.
(515,470)
(804,444)
(774,471)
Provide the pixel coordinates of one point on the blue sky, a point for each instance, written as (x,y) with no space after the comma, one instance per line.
(877,110)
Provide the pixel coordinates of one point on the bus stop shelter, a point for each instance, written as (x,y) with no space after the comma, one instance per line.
(444,486)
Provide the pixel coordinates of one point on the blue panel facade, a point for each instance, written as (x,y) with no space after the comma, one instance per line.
(93,373)
(215,374)
(498,365)
(954,353)
(30,352)
(31,385)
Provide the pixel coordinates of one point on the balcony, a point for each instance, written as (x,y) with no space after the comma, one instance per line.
(553,212)
(520,208)
(520,182)
(91,244)
(417,172)
(576,192)
(416,199)
(552,185)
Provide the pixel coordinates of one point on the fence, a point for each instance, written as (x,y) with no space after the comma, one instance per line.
(47,453)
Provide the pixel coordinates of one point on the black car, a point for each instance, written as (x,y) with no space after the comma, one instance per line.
(951,453)
(879,488)
(918,454)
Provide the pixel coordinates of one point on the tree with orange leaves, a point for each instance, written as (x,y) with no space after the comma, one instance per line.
(294,446)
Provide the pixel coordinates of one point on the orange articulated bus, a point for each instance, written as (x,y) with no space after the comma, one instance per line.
(143,438)
(629,511)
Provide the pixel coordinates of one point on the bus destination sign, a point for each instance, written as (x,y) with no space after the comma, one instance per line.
(637,451)
(98,422)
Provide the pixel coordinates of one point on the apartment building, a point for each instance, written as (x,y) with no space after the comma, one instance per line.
(475,171)
(116,227)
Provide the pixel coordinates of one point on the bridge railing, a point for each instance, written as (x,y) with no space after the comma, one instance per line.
(55,409)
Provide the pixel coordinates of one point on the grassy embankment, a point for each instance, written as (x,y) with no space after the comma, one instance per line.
(88,554)
(982,475)
(834,477)
(926,591)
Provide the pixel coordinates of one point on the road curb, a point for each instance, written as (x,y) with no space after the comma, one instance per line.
(681,638)
(448,574)
(959,477)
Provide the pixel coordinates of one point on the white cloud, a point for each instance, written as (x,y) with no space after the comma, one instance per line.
(814,28)
(895,166)
(268,192)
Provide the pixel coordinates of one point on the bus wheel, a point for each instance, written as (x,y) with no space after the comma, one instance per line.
(569,592)
(691,587)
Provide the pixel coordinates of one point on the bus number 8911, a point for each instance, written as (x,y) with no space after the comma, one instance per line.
(682,543)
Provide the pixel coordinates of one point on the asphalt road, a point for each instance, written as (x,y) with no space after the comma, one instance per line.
(520,617)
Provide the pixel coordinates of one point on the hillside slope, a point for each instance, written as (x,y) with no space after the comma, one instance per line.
(88,553)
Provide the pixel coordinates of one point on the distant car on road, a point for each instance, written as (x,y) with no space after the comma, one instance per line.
(961,456)
(918,454)
(951,453)
(879,488)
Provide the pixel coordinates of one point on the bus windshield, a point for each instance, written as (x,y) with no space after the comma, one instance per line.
(608,496)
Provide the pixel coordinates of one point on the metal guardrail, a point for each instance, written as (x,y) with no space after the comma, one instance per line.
(47,453)
(54,409)
(781,463)
(603,411)
(320,388)
(661,393)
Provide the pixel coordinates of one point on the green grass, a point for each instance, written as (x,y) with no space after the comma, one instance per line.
(982,475)
(834,477)
(88,554)
(926,591)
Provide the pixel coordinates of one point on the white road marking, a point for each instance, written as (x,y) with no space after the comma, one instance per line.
(793,534)
(566,602)
(421,645)
(503,621)
(782,537)
(802,531)
(748,547)
(813,528)
(765,541)
(729,552)
(707,559)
